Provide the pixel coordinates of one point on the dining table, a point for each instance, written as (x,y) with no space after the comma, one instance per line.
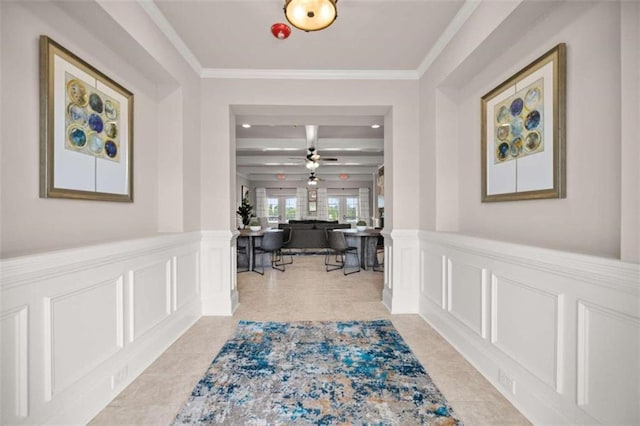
(252,238)
(366,241)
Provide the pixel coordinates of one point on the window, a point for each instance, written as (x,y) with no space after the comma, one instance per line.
(291,210)
(343,208)
(333,208)
(281,208)
(351,209)
(273,212)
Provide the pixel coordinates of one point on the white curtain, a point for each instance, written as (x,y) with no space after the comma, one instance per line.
(301,203)
(261,202)
(323,204)
(363,205)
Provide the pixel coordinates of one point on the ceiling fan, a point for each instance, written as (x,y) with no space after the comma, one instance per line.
(313,158)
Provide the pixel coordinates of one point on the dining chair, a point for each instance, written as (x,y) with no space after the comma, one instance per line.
(271,243)
(328,251)
(338,246)
(287,235)
(242,254)
(379,266)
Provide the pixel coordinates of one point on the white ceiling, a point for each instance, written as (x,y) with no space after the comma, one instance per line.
(368,34)
(370,39)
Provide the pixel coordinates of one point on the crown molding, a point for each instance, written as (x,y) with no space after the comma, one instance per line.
(450,31)
(447,35)
(309,74)
(167,29)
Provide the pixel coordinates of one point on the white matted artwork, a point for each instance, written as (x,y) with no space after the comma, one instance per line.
(523,132)
(86,136)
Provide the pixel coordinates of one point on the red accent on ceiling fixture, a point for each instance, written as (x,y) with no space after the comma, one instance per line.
(344,176)
(280,31)
(280,176)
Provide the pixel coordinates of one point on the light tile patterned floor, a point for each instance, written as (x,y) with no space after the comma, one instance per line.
(304,292)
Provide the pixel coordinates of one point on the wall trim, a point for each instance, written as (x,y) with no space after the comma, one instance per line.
(73,311)
(37,267)
(403,269)
(595,270)
(167,29)
(530,291)
(308,74)
(457,22)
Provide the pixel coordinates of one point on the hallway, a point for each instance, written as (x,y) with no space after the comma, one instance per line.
(304,292)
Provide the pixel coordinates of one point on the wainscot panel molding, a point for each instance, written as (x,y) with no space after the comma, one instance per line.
(387,290)
(558,334)
(79,325)
(403,270)
(218,272)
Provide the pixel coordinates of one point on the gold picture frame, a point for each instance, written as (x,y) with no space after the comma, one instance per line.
(86,129)
(312,196)
(523,154)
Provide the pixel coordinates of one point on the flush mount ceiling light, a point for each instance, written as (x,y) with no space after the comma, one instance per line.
(375,126)
(246,125)
(311,15)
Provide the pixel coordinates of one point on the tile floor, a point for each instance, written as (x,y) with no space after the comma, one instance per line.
(304,292)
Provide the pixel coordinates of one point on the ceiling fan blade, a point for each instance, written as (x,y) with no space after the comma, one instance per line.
(329,159)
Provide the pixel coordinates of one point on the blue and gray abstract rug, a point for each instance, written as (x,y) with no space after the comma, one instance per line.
(352,372)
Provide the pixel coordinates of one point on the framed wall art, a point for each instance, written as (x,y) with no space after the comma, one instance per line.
(523,132)
(244,192)
(312,197)
(86,129)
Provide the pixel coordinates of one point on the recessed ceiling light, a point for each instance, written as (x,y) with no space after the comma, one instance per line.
(246,125)
(375,126)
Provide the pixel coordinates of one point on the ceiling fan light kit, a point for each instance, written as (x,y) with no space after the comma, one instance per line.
(311,15)
(313,180)
(312,165)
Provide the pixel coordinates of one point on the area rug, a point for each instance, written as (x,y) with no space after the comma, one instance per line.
(351,372)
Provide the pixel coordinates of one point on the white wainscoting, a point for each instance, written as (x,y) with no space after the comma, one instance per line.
(219,266)
(557,333)
(402,268)
(79,325)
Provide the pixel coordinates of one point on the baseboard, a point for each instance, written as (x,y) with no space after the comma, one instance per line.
(90,403)
(556,333)
(80,325)
(487,365)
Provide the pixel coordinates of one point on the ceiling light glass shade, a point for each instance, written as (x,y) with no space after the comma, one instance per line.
(311,15)
(312,165)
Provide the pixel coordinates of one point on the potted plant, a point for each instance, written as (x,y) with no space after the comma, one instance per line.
(245,211)
(254,224)
(361,225)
